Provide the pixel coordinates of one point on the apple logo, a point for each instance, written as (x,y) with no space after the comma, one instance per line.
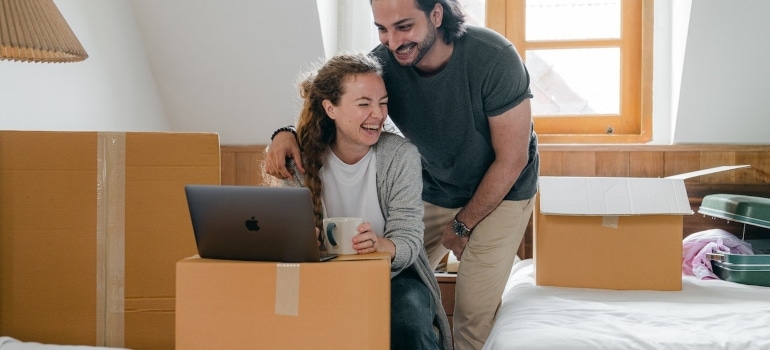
(252,224)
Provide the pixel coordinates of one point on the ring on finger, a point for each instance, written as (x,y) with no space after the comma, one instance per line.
(373,242)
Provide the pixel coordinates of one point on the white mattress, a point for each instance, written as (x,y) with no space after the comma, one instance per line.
(8,343)
(706,314)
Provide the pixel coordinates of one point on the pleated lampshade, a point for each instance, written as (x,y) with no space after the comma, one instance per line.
(35,31)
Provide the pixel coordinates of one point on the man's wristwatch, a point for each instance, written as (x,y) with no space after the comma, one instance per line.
(460,229)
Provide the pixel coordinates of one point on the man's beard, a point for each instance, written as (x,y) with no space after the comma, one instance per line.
(423,48)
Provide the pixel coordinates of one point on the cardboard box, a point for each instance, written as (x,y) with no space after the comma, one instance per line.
(228,304)
(611,232)
(91,227)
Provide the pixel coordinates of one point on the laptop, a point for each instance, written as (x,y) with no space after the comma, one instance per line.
(254,223)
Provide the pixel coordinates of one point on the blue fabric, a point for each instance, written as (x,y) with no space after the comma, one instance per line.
(411,313)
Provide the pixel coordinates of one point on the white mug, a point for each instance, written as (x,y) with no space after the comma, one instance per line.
(338,234)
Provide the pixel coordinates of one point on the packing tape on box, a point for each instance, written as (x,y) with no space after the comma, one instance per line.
(287,289)
(610,221)
(110,239)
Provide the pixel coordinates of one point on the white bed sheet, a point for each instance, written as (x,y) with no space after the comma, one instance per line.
(706,314)
(8,343)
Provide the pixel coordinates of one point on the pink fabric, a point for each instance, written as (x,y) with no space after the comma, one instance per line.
(697,245)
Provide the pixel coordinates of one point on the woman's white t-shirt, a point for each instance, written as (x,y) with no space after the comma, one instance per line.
(351,189)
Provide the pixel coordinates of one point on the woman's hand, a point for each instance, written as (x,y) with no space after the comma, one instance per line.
(365,241)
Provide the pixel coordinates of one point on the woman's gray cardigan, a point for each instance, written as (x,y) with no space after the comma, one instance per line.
(399,190)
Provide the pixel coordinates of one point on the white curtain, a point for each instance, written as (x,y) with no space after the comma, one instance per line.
(355,26)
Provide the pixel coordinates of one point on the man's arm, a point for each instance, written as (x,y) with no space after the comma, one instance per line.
(284,146)
(510,140)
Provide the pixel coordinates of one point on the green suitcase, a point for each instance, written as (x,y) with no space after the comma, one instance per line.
(745,269)
(754,269)
(732,207)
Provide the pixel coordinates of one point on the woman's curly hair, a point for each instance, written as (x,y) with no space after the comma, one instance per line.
(315,130)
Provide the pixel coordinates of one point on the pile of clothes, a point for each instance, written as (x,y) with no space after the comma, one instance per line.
(697,245)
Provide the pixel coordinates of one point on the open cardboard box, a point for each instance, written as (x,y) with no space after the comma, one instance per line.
(611,232)
(339,304)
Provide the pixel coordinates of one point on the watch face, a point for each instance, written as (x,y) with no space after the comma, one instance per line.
(460,229)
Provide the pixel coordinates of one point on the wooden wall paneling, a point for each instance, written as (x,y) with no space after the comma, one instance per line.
(242,165)
(259,159)
(675,162)
(550,163)
(760,167)
(645,164)
(710,159)
(247,169)
(578,163)
(227,166)
(612,164)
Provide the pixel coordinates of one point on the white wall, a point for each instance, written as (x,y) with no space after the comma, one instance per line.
(230,66)
(347,26)
(680,18)
(225,66)
(356,23)
(726,74)
(327,13)
(662,72)
(112,90)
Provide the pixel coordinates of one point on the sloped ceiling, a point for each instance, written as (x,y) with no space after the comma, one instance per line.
(725,75)
(229,66)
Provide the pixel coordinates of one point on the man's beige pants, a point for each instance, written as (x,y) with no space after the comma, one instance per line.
(484,266)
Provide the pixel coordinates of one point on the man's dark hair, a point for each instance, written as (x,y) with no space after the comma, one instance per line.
(453,24)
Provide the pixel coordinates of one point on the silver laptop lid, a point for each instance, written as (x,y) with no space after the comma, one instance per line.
(253,223)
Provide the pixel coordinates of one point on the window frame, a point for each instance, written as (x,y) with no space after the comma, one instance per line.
(634,124)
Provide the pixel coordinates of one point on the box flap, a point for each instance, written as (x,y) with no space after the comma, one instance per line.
(612,196)
(706,171)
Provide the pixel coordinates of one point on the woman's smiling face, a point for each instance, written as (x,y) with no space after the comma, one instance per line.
(360,114)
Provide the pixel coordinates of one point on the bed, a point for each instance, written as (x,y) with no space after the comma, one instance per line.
(9,343)
(706,314)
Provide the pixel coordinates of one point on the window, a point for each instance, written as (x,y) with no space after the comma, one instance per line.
(590,65)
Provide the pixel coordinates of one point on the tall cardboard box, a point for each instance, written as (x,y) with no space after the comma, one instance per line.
(228,304)
(611,232)
(91,227)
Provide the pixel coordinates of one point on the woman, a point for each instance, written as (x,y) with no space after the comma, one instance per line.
(353,168)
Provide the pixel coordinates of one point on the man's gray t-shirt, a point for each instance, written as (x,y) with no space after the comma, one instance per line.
(445,115)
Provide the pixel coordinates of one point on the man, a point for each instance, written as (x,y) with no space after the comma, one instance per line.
(461,95)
